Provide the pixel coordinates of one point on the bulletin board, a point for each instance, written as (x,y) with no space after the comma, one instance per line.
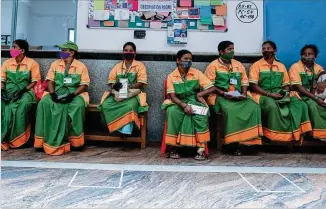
(182,15)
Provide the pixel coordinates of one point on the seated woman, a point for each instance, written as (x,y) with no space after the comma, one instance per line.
(61,112)
(18,76)
(186,86)
(283,117)
(242,115)
(122,114)
(304,75)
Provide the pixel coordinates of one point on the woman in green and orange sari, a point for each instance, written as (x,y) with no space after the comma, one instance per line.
(18,76)
(304,75)
(123,115)
(284,118)
(186,86)
(242,115)
(61,112)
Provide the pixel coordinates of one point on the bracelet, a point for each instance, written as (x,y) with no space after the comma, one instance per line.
(185,106)
(316,98)
(268,94)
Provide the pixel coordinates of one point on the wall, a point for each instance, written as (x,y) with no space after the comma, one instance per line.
(292,24)
(50,21)
(41,22)
(247,36)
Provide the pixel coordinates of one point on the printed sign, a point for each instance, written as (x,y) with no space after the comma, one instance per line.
(155,5)
(247,11)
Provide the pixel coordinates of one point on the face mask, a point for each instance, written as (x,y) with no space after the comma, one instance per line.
(227,56)
(15,53)
(308,60)
(186,64)
(129,56)
(64,55)
(268,54)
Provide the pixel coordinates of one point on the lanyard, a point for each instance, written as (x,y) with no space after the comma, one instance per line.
(127,71)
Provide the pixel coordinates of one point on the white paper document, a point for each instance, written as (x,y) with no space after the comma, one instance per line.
(198,110)
(121,14)
(233,93)
(101,14)
(123,92)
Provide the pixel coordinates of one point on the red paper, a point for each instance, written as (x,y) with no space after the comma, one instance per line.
(221,28)
(134,5)
(185,3)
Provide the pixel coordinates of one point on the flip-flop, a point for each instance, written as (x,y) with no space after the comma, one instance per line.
(200,156)
(174,155)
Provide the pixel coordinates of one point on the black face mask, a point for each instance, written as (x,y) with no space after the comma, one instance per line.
(128,56)
(308,61)
(268,54)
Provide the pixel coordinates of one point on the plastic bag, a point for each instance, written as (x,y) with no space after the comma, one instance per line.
(39,89)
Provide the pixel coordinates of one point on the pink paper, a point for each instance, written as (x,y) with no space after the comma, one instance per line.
(185,3)
(156,25)
(165,14)
(134,5)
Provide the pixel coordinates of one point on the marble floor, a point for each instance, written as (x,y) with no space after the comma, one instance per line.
(116,177)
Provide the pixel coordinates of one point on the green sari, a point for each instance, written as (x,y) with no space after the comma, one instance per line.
(242,119)
(15,122)
(119,114)
(59,126)
(283,120)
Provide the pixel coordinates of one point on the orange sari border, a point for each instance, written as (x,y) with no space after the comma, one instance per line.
(4,146)
(188,140)
(319,133)
(38,141)
(244,135)
(278,135)
(21,139)
(124,120)
(56,150)
(77,141)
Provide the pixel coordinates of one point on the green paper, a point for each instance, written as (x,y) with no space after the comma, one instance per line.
(206,20)
(192,27)
(216,2)
(134,24)
(202,3)
(99,4)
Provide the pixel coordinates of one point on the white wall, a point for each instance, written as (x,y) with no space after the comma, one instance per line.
(50,20)
(246,36)
(41,22)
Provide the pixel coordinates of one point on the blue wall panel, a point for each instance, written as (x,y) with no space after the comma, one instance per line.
(294,23)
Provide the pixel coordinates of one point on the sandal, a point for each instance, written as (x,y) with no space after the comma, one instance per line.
(200,156)
(237,152)
(174,155)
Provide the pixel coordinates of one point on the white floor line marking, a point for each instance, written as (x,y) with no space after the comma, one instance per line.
(293,183)
(73,178)
(121,178)
(101,187)
(164,168)
(252,186)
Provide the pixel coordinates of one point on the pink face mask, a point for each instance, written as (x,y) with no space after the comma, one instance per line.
(14,52)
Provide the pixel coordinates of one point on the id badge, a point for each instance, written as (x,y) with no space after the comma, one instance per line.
(67,80)
(123,92)
(233,81)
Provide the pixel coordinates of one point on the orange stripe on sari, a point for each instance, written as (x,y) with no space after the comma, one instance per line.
(22,139)
(124,120)
(245,135)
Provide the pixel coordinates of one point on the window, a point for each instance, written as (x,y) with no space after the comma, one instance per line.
(43,23)
(6,19)
(71,34)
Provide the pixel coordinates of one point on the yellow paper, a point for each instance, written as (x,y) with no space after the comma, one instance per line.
(99,4)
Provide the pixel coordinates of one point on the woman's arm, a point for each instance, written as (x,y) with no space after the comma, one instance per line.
(186,108)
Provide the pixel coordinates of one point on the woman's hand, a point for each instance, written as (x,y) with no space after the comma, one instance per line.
(200,99)
(321,102)
(188,110)
(275,95)
(228,96)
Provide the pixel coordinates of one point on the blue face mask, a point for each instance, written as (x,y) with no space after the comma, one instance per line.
(186,64)
(64,55)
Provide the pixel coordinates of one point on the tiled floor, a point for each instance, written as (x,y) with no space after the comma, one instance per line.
(103,177)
